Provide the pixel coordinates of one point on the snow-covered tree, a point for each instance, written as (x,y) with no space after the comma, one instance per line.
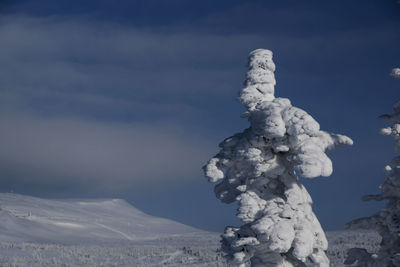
(387,221)
(259,168)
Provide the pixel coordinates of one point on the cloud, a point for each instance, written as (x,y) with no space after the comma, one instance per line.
(91,104)
(52,63)
(113,156)
(98,109)
(39,55)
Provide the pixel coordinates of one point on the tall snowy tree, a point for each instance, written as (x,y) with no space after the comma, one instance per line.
(387,221)
(259,168)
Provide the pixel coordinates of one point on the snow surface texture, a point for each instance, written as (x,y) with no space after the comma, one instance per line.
(259,168)
(387,221)
(179,250)
(159,253)
(31,219)
(42,245)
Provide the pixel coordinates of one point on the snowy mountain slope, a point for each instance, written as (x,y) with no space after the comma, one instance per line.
(31,219)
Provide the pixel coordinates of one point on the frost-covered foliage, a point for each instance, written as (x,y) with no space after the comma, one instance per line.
(259,168)
(387,221)
(58,255)
(198,250)
(341,241)
(395,73)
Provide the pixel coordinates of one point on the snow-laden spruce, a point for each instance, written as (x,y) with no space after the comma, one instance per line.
(259,168)
(387,221)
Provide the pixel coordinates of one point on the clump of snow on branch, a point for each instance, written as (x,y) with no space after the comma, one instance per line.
(395,73)
(258,168)
(387,221)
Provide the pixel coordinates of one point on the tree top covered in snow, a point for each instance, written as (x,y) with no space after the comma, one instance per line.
(285,128)
(259,168)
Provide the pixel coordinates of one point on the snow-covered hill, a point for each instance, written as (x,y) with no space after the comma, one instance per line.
(32,219)
(111,232)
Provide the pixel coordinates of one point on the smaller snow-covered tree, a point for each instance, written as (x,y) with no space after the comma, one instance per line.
(259,168)
(387,221)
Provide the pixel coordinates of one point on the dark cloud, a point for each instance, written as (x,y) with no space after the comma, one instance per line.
(223,16)
(95,97)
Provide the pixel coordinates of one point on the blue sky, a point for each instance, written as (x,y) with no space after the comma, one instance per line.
(130,98)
